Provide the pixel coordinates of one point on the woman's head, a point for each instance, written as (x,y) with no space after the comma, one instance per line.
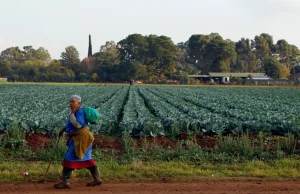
(75,102)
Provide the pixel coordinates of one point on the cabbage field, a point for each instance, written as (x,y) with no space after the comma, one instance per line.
(155,110)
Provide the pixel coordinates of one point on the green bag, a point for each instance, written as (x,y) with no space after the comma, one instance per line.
(92,115)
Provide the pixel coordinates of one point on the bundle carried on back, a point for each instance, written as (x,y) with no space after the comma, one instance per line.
(92,115)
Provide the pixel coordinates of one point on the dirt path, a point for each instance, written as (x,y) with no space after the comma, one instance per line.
(200,187)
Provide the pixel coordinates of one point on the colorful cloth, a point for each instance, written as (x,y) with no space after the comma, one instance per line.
(82,138)
(79,165)
(70,159)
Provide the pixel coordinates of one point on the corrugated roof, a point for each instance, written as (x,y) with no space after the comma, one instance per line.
(198,76)
(256,75)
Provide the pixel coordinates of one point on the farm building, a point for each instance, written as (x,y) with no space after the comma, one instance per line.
(3,79)
(225,77)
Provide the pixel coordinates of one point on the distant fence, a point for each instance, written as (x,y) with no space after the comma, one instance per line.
(272,82)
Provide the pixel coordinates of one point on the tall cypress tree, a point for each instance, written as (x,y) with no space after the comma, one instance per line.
(90,53)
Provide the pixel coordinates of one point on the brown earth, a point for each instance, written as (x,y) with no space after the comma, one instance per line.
(164,187)
(35,141)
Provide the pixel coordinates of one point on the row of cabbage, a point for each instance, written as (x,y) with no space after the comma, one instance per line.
(178,115)
(111,112)
(155,111)
(137,118)
(41,108)
(234,110)
(211,110)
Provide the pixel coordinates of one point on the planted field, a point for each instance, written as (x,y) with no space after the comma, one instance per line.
(155,111)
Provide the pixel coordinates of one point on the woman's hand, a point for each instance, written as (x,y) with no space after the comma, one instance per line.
(74,110)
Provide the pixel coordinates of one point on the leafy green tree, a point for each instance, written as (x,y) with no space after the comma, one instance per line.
(132,70)
(83,77)
(70,56)
(211,52)
(108,54)
(140,71)
(55,64)
(272,67)
(158,53)
(295,56)
(42,54)
(161,57)
(106,62)
(219,55)
(12,56)
(246,60)
(133,48)
(184,63)
(27,72)
(197,46)
(263,46)
(30,54)
(288,54)
(283,49)
(5,69)
(55,72)
(127,70)
(70,59)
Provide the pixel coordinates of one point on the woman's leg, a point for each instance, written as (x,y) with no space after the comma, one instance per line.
(96,175)
(66,174)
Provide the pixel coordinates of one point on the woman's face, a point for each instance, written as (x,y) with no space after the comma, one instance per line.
(74,105)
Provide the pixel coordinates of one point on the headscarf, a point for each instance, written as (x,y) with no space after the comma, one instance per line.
(76,98)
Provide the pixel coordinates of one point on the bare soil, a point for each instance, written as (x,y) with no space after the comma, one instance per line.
(200,187)
(35,141)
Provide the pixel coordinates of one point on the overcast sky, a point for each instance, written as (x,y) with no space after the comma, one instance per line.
(56,24)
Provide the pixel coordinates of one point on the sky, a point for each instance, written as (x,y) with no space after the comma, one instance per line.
(56,24)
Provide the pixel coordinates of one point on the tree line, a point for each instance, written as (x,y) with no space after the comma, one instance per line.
(153,59)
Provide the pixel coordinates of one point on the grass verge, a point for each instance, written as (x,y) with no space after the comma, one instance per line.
(282,169)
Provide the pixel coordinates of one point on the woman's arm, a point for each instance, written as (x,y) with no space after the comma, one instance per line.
(73,120)
(78,119)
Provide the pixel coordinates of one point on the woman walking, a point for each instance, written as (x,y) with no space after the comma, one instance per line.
(79,153)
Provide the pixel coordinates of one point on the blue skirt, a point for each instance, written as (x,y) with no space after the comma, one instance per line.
(71,155)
